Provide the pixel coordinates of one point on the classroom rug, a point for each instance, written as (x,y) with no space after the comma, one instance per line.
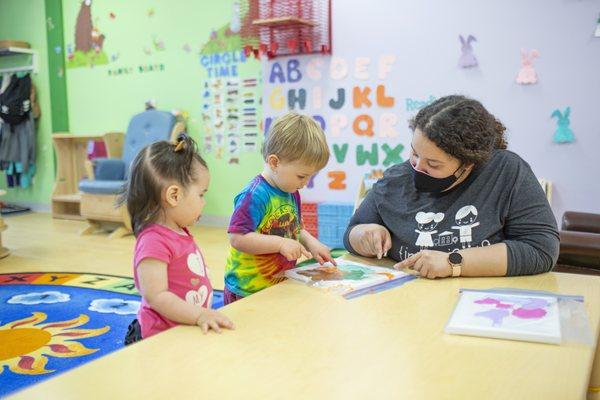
(52,322)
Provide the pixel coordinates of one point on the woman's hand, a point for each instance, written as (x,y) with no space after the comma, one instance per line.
(210,319)
(429,264)
(370,240)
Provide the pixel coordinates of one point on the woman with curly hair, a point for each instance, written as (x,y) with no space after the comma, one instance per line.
(479,206)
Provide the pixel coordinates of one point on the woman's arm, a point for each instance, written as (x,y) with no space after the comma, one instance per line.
(530,228)
(477,261)
(484,261)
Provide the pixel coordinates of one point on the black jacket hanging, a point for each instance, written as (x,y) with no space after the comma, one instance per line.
(14,102)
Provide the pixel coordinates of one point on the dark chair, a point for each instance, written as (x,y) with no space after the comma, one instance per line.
(579,243)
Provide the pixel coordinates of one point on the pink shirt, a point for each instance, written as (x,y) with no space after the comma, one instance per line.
(186,272)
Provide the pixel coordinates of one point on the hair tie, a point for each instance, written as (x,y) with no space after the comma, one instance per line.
(180,142)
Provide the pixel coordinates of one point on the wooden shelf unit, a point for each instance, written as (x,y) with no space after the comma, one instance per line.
(71,155)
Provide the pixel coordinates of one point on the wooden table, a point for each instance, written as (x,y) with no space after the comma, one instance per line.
(293,341)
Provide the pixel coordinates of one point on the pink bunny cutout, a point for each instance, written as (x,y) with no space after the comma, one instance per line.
(527,74)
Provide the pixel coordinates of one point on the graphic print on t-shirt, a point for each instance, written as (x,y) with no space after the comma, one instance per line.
(282,222)
(427,222)
(200,296)
(195,263)
(465,222)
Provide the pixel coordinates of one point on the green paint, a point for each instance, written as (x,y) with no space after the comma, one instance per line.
(56,66)
(26,20)
(353,272)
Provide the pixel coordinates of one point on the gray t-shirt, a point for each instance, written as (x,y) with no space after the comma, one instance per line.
(500,201)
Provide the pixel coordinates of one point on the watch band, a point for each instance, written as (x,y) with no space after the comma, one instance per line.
(456,270)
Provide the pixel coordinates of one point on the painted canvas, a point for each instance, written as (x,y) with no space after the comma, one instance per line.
(517,317)
(344,278)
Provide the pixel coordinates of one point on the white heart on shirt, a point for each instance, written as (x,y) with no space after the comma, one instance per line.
(195,263)
(209,301)
(197,297)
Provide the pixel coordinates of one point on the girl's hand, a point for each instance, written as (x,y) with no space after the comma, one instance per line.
(429,264)
(293,249)
(320,252)
(371,240)
(210,319)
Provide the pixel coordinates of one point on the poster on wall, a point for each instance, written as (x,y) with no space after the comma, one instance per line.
(357,109)
(93,41)
(87,49)
(231,101)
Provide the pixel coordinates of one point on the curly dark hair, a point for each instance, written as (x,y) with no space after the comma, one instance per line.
(153,167)
(461,127)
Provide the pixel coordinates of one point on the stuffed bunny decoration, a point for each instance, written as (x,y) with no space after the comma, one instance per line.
(563,133)
(467,58)
(527,73)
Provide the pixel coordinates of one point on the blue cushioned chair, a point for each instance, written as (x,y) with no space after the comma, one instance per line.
(108,175)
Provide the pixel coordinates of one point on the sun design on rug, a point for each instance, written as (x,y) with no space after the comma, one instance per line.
(27,342)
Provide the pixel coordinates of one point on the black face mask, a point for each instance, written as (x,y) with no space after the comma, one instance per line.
(427,183)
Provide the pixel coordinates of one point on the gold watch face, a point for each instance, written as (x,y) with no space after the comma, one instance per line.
(455,258)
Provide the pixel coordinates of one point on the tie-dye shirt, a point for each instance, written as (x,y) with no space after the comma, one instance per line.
(265,209)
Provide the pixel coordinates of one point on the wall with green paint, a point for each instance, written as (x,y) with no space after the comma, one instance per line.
(108,86)
(26,20)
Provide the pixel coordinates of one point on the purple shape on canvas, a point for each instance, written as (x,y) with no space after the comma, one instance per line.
(495,315)
(535,303)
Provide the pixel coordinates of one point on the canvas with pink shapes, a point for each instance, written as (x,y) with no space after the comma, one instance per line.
(506,316)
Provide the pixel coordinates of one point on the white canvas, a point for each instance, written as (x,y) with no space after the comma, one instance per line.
(506,316)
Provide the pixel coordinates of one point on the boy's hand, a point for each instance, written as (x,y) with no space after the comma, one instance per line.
(293,249)
(210,319)
(320,252)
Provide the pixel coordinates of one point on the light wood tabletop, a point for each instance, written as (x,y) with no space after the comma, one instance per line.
(294,341)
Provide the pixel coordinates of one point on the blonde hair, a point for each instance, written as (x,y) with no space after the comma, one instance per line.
(294,137)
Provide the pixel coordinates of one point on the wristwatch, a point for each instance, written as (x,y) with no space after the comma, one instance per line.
(455,260)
